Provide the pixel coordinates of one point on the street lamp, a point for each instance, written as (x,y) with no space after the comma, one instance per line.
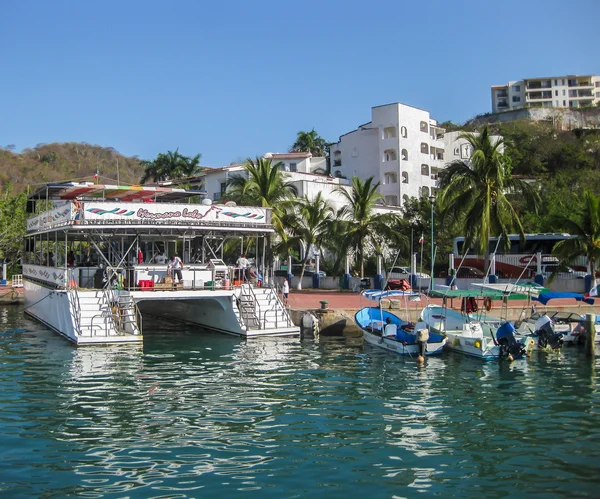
(431,201)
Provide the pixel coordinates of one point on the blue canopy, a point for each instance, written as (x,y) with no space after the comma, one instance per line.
(544,298)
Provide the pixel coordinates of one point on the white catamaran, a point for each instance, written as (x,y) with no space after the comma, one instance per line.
(94,263)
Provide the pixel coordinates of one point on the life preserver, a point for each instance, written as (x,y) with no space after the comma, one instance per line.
(487,303)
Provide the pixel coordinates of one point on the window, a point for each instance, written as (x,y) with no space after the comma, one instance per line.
(556,104)
(564,92)
(556,93)
(555,82)
(390,178)
(517,88)
(516,98)
(563,82)
(424,148)
(404,155)
(424,191)
(597,95)
(405,177)
(564,103)
(390,155)
(424,169)
(403,132)
(597,84)
(391,200)
(223,188)
(457,151)
(424,127)
(293,167)
(389,132)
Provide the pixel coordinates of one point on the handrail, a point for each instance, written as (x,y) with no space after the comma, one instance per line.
(76,311)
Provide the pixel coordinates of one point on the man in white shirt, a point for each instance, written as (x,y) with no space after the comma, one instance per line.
(176,266)
(161,258)
(243,264)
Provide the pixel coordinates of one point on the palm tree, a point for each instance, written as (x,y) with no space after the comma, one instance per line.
(308,224)
(586,227)
(191,166)
(263,184)
(364,227)
(477,192)
(310,142)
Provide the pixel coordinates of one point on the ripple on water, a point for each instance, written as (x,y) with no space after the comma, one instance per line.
(195,414)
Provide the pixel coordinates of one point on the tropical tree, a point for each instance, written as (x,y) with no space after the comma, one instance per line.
(263,184)
(365,228)
(12,224)
(170,166)
(585,226)
(476,192)
(309,222)
(310,142)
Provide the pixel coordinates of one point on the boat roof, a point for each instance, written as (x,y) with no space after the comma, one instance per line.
(462,293)
(507,288)
(378,294)
(544,298)
(83,190)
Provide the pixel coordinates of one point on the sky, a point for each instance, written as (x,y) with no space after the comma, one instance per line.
(234,79)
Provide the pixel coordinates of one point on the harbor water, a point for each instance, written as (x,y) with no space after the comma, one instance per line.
(192,414)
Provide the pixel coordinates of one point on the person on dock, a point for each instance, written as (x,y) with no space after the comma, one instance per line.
(285,291)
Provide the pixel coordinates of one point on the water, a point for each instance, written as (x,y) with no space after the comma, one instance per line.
(202,415)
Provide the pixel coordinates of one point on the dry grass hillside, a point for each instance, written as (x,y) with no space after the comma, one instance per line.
(65,162)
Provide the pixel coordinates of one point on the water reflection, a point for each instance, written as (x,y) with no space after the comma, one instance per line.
(194,414)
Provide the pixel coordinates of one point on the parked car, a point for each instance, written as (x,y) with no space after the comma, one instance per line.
(562,272)
(404,273)
(469,273)
(309,271)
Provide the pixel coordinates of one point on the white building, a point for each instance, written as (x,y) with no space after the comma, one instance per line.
(569,91)
(300,169)
(402,147)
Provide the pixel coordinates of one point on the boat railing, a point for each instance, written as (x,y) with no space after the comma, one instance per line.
(76,309)
(274,296)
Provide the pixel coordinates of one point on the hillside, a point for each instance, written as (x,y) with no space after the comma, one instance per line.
(64,162)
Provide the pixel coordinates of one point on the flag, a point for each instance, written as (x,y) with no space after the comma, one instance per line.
(421,239)
(96,174)
(593,292)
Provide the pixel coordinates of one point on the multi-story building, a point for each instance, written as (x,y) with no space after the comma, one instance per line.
(402,147)
(570,91)
(303,170)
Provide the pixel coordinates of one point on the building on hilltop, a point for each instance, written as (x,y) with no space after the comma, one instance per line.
(569,91)
(402,147)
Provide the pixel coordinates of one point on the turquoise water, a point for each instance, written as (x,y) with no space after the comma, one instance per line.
(195,414)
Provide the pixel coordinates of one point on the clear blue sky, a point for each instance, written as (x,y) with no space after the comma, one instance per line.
(235,79)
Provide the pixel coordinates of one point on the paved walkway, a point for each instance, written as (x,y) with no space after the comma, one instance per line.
(310,299)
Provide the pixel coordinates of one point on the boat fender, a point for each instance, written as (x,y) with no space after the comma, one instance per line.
(477,344)
(487,303)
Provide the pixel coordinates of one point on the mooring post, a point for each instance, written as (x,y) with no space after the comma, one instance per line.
(590,328)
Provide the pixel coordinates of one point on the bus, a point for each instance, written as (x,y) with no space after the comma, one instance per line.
(522,255)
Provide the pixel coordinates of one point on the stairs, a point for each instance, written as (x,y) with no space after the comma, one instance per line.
(102,313)
(260,310)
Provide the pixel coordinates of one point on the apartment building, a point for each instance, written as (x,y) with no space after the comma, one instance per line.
(569,91)
(402,147)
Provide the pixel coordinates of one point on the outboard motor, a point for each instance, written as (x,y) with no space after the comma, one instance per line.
(509,346)
(547,337)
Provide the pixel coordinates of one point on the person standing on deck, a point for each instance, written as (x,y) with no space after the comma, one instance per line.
(243,264)
(161,258)
(176,266)
(140,256)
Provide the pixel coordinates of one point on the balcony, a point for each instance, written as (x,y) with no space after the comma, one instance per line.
(502,104)
(538,85)
(500,95)
(539,95)
(575,83)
